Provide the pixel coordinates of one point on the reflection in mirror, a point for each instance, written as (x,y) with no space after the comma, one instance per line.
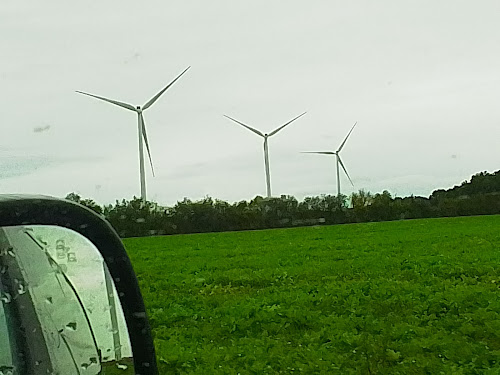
(59,310)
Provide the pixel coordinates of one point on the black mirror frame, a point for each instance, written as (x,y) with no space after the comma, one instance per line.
(16,210)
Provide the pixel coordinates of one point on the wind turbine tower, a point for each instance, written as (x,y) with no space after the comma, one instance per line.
(266,147)
(141,126)
(338,160)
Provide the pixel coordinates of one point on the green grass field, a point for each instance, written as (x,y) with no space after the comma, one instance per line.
(406,297)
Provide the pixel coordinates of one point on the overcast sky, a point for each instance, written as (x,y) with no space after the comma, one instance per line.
(421,78)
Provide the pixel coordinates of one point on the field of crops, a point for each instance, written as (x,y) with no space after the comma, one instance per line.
(406,297)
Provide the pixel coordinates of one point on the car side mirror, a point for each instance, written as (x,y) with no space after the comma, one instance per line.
(69,299)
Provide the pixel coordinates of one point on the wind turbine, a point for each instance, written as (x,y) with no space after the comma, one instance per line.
(266,147)
(141,126)
(338,159)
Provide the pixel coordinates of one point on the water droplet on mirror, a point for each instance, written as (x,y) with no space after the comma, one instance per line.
(21,289)
(41,240)
(71,326)
(121,366)
(6,297)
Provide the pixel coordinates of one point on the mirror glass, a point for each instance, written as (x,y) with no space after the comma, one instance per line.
(59,310)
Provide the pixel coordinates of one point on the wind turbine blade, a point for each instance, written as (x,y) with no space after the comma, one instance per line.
(348,134)
(345,170)
(155,98)
(145,136)
(288,123)
(246,126)
(115,102)
(318,152)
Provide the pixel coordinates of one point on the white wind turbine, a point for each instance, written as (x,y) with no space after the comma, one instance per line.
(338,159)
(141,128)
(266,148)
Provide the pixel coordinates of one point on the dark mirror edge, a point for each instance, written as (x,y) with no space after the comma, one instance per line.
(18,210)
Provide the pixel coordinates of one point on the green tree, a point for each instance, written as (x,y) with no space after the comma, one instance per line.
(89,203)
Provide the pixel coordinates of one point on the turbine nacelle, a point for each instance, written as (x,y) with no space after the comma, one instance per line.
(138,109)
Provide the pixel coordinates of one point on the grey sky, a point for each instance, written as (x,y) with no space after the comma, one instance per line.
(420,77)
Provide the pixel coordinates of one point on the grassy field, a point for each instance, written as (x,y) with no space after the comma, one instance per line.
(406,297)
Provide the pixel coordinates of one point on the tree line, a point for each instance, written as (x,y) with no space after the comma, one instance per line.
(135,218)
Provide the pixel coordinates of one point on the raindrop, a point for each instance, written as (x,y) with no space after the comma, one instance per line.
(140,220)
(6,297)
(49,300)
(7,370)
(21,289)
(121,367)
(93,360)
(84,366)
(10,251)
(3,269)
(40,239)
(71,326)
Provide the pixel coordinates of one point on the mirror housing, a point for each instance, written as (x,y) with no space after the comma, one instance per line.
(20,210)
